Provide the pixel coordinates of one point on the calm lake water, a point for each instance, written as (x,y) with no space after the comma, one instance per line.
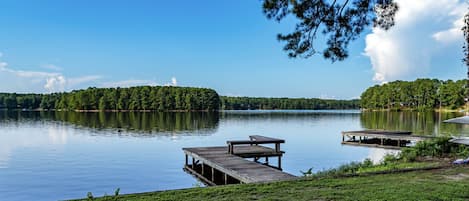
(63,155)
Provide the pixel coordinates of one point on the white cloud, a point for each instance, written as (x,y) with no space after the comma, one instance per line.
(326,96)
(405,51)
(56,83)
(51,67)
(454,33)
(174,81)
(138,82)
(3,65)
(130,83)
(84,79)
(23,81)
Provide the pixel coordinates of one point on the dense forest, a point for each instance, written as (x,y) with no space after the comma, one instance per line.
(421,94)
(158,98)
(250,103)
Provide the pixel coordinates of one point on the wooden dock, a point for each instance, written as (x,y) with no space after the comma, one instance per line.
(381,139)
(228,164)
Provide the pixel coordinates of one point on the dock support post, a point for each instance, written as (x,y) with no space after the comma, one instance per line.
(193,163)
(267,160)
(360,139)
(280,162)
(213,175)
(277,147)
(225,177)
(187,160)
(382,141)
(398,143)
(203,169)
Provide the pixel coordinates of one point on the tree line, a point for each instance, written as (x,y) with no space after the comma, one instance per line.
(420,94)
(159,98)
(252,103)
(155,98)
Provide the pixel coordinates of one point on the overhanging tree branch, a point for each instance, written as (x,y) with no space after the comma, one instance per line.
(340,24)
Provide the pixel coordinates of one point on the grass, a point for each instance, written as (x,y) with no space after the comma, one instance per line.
(398,166)
(440,184)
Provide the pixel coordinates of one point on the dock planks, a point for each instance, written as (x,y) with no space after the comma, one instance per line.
(235,166)
(381,138)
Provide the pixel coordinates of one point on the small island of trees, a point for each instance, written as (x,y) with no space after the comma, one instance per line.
(151,98)
(421,94)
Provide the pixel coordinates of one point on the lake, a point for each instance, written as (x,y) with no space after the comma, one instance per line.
(63,155)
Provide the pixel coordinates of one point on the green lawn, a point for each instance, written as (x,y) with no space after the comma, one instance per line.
(440,184)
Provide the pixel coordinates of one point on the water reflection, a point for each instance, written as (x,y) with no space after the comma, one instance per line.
(123,123)
(377,154)
(422,123)
(12,140)
(287,115)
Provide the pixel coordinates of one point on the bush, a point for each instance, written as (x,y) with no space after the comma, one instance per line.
(437,147)
(389,159)
(408,155)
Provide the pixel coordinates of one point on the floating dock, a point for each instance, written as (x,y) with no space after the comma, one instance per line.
(230,165)
(381,139)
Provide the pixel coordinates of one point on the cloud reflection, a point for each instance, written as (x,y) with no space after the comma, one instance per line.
(20,137)
(376,154)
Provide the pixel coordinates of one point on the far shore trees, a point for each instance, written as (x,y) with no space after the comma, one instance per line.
(421,94)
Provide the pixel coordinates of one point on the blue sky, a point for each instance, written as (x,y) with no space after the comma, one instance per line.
(229,46)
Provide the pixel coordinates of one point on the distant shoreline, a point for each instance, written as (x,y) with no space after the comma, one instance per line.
(97,111)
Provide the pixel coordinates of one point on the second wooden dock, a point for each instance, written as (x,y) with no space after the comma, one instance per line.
(381,138)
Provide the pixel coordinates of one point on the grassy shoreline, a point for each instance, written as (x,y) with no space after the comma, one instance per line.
(438,184)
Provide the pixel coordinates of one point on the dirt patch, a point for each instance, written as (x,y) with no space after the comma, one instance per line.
(457,177)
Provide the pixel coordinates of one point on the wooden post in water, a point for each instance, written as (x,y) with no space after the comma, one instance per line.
(187,160)
(267,160)
(213,175)
(193,163)
(225,178)
(203,168)
(280,162)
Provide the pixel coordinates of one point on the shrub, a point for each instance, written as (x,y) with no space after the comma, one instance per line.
(437,147)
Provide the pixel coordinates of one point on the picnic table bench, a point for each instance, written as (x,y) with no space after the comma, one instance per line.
(257,151)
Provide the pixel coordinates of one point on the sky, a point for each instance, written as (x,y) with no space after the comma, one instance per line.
(54,45)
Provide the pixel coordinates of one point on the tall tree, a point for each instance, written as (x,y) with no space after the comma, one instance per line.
(465,30)
(339,22)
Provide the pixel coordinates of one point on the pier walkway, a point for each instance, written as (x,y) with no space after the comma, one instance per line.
(228,164)
(381,139)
